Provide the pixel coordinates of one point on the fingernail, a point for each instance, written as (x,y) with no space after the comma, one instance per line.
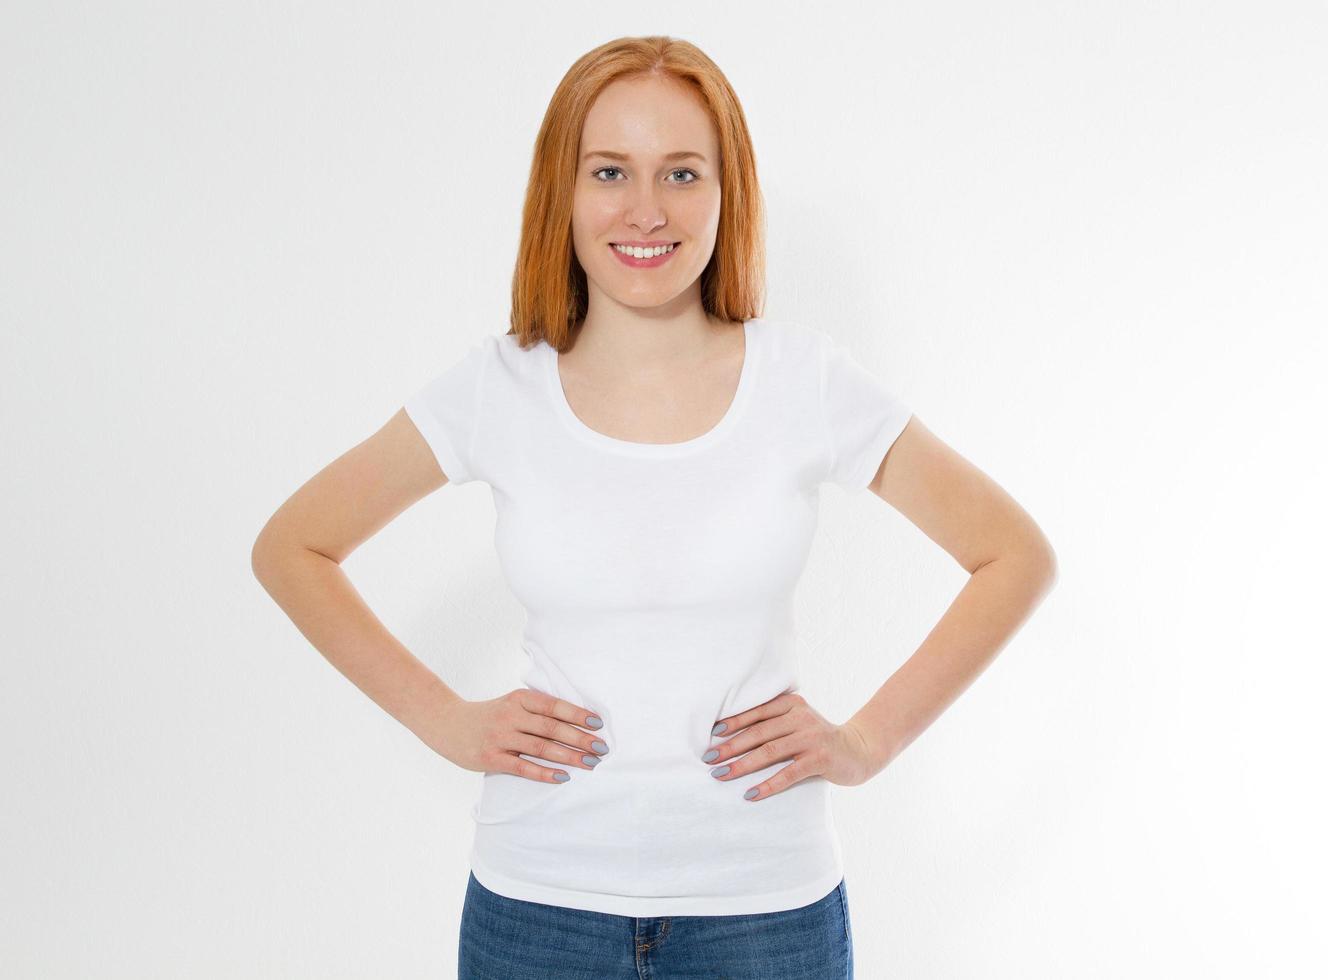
(561,777)
(591,760)
(750,793)
(710,756)
(719,729)
(721,771)
(594,722)
(599,746)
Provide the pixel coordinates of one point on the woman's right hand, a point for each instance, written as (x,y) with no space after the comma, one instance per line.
(491,736)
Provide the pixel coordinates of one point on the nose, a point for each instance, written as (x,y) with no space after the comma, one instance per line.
(644,212)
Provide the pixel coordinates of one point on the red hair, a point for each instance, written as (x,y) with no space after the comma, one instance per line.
(549,293)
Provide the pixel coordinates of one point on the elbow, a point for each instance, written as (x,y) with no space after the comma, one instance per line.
(1045,568)
(1040,557)
(259,558)
(1052,571)
(276,552)
(266,555)
(1036,562)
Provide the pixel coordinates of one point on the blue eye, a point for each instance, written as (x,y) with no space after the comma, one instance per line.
(680,170)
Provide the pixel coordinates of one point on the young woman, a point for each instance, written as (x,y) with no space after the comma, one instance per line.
(655,794)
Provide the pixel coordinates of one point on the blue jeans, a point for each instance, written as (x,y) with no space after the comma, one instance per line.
(509,939)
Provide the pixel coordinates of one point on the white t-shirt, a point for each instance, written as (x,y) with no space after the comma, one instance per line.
(658,581)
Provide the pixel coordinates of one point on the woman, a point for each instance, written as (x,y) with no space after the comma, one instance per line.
(655,448)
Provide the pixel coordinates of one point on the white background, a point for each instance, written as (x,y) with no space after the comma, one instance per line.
(1084,242)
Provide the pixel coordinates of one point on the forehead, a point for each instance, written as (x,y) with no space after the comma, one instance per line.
(649,117)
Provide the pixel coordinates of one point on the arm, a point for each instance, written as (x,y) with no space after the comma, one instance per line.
(297,559)
(1011,565)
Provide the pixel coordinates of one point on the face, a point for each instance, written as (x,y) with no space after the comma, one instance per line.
(632,188)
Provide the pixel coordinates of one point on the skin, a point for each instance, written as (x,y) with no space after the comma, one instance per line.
(1011,568)
(648,364)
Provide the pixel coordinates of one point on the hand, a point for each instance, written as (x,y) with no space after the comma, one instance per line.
(787,727)
(491,736)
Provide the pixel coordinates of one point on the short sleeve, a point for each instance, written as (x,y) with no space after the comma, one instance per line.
(446,412)
(862,417)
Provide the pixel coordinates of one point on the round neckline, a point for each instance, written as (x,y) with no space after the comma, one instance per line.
(563,408)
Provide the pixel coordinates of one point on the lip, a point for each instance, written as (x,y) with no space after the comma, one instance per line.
(651,263)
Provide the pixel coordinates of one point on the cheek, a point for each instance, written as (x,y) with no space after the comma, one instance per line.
(594,209)
(702,215)
(586,214)
(593,228)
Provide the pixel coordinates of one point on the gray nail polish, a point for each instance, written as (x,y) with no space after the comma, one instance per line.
(719,729)
(721,771)
(594,722)
(599,746)
(591,760)
(561,777)
(750,793)
(710,756)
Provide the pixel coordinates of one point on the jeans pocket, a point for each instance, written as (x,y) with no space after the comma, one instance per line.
(843,906)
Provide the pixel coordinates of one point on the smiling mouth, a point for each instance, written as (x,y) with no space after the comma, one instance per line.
(651,252)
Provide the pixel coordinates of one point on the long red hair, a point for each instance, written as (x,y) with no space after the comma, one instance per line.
(549,294)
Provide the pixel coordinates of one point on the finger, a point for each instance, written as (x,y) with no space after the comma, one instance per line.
(762,757)
(540,703)
(507,762)
(776,706)
(749,738)
(796,771)
(544,748)
(550,728)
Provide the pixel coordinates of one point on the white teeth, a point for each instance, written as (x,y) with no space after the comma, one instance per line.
(643,253)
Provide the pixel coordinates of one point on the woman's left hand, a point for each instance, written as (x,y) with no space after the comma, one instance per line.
(787,727)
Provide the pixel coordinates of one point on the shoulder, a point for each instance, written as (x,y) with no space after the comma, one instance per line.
(506,347)
(493,356)
(512,364)
(789,340)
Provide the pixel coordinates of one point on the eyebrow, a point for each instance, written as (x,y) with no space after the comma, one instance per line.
(676,155)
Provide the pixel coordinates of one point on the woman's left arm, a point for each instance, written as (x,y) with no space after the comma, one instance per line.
(1011,568)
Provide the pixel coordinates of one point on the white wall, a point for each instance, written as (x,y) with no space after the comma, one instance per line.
(1085,242)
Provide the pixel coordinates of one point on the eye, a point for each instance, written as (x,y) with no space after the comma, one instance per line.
(680,170)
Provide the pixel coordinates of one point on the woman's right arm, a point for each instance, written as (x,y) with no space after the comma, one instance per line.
(297,559)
